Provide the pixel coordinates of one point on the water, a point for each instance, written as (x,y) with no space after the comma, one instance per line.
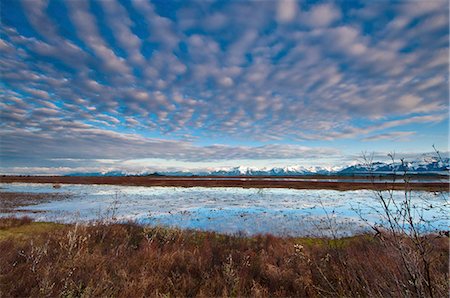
(286,212)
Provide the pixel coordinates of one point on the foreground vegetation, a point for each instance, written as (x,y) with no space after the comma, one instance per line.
(128,260)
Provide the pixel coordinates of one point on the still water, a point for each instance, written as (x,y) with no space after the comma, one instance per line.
(285,212)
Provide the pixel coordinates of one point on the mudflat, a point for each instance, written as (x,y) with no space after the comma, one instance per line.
(10,201)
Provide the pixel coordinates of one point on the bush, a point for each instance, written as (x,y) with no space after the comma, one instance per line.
(130,260)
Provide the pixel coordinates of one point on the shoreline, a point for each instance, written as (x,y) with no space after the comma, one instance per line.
(303,182)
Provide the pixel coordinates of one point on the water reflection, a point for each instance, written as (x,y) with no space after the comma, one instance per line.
(227,210)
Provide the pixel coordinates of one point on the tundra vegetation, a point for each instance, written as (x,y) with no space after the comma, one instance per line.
(128,260)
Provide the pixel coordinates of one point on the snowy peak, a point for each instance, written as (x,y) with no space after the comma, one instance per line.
(277,171)
(423,166)
(429,165)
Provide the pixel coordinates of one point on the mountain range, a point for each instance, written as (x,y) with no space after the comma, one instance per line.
(425,166)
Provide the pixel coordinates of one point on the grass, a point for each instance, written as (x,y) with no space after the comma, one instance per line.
(128,260)
(23,229)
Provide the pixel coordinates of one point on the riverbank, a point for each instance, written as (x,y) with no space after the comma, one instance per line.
(304,182)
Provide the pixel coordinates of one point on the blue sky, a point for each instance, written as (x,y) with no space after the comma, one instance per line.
(137,85)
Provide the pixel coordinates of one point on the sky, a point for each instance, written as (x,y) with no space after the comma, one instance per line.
(137,86)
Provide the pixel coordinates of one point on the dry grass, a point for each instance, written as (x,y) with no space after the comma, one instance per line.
(250,182)
(127,260)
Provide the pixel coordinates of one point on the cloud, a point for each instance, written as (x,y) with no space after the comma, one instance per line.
(321,15)
(37,93)
(208,72)
(120,24)
(161,28)
(215,21)
(226,81)
(88,32)
(286,10)
(390,136)
(56,46)
(350,132)
(420,8)
(79,141)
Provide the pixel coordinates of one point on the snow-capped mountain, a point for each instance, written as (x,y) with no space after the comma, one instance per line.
(429,165)
(277,171)
(423,166)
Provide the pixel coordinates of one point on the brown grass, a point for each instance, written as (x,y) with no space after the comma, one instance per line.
(253,182)
(127,260)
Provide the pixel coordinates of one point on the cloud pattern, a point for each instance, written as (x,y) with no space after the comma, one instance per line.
(140,79)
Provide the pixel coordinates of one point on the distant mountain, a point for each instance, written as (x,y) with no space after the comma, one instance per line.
(424,166)
(432,166)
(284,171)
